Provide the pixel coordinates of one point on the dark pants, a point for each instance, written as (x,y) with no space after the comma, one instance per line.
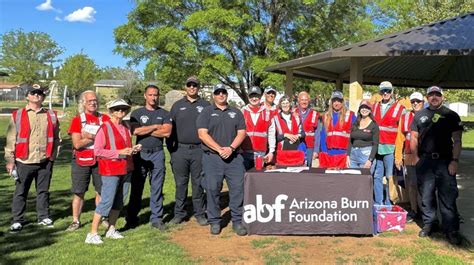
(186,161)
(215,170)
(41,173)
(153,163)
(432,175)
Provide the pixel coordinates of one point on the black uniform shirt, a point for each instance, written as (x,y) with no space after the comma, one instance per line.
(184,114)
(222,125)
(435,128)
(144,117)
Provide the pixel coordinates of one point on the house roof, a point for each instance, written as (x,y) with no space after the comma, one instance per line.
(439,53)
(110,83)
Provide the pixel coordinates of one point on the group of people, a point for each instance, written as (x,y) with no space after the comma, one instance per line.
(212,142)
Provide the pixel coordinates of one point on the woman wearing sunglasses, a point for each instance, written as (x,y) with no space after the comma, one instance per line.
(403,155)
(113,148)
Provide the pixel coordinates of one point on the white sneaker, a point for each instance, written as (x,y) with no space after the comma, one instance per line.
(114,234)
(15,228)
(46,222)
(93,239)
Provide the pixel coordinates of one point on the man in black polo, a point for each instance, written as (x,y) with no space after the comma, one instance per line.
(186,153)
(436,145)
(221,129)
(150,124)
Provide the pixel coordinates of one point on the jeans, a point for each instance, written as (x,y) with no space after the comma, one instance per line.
(359,156)
(112,194)
(309,156)
(383,167)
(433,176)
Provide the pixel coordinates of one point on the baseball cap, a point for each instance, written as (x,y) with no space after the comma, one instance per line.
(255,90)
(365,103)
(434,89)
(270,89)
(416,95)
(192,79)
(385,85)
(117,103)
(337,94)
(219,87)
(36,88)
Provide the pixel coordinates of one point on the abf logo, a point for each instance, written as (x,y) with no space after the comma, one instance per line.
(264,213)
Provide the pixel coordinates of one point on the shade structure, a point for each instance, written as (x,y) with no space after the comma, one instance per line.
(440,53)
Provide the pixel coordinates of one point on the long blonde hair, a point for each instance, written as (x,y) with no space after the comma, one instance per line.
(328,115)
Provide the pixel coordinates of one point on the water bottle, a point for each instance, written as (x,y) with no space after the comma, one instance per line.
(14,174)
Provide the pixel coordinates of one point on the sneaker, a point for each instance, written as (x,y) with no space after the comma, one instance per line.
(201,220)
(176,220)
(454,238)
(46,222)
(130,225)
(114,234)
(215,229)
(15,228)
(73,226)
(159,225)
(239,229)
(425,231)
(93,239)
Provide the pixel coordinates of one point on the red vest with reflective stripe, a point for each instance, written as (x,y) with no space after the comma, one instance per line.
(282,128)
(85,154)
(406,120)
(309,126)
(338,136)
(114,141)
(388,125)
(257,134)
(22,124)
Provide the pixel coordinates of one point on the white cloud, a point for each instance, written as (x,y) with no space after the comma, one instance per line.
(57,18)
(85,14)
(46,6)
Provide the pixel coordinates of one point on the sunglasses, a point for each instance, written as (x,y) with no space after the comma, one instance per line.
(435,94)
(36,92)
(218,92)
(415,101)
(192,85)
(120,109)
(386,91)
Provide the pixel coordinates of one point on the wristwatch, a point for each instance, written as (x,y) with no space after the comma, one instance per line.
(231,147)
(455,160)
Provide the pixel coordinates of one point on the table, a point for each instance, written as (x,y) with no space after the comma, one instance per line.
(308,203)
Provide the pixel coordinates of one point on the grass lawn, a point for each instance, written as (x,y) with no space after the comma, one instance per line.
(55,246)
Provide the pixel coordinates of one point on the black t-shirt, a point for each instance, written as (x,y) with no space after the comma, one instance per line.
(222,125)
(435,128)
(144,117)
(184,114)
(369,136)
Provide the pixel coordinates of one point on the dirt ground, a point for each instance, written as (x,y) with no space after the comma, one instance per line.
(387,248)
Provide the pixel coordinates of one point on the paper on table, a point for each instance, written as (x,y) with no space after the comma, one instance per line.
(343,171)
(288,169)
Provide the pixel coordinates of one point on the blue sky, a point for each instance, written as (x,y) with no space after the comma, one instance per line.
(74,24)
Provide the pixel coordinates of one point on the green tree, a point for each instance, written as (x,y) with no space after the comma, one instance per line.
(27,55)
(134,84)
(78,73)
(234,41)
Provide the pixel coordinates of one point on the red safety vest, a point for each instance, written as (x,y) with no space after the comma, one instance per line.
(388,125)
(309,126)
(338,136)
(114,141)
(22,125)
(257,134)
(406,120)
(85,156)
(287,157)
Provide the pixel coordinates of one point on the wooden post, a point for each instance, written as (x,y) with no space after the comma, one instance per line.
(289,83)
(339,84)
(355,86)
